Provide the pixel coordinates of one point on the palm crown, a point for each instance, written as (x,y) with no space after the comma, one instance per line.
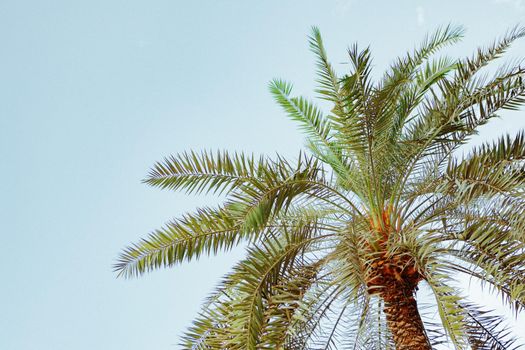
(340,238)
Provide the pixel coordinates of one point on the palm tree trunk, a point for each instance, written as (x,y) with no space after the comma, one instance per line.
(403,319)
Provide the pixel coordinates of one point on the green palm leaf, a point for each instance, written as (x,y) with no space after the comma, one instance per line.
(206,232)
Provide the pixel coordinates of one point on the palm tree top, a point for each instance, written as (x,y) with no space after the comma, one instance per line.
(380,204)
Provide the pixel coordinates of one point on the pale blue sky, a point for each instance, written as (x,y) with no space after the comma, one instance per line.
(93,92)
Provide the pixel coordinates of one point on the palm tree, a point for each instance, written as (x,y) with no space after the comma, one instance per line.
(339,239)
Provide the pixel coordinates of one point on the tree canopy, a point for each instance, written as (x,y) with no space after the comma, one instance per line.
(379,204)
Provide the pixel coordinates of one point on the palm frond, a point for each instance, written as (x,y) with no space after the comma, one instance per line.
(448,301)
(495,258)
(311,119)
(485,330)
(489,170)
(468,67)
(256,276)
(329,83)
(204,172)
(204,233)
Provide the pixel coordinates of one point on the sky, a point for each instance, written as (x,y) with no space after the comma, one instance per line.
(92,93)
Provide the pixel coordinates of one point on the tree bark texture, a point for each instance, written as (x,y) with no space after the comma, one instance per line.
(403,319)
(395,280)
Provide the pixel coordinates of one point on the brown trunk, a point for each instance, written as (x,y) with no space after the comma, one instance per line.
(403,319)
(395,279)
